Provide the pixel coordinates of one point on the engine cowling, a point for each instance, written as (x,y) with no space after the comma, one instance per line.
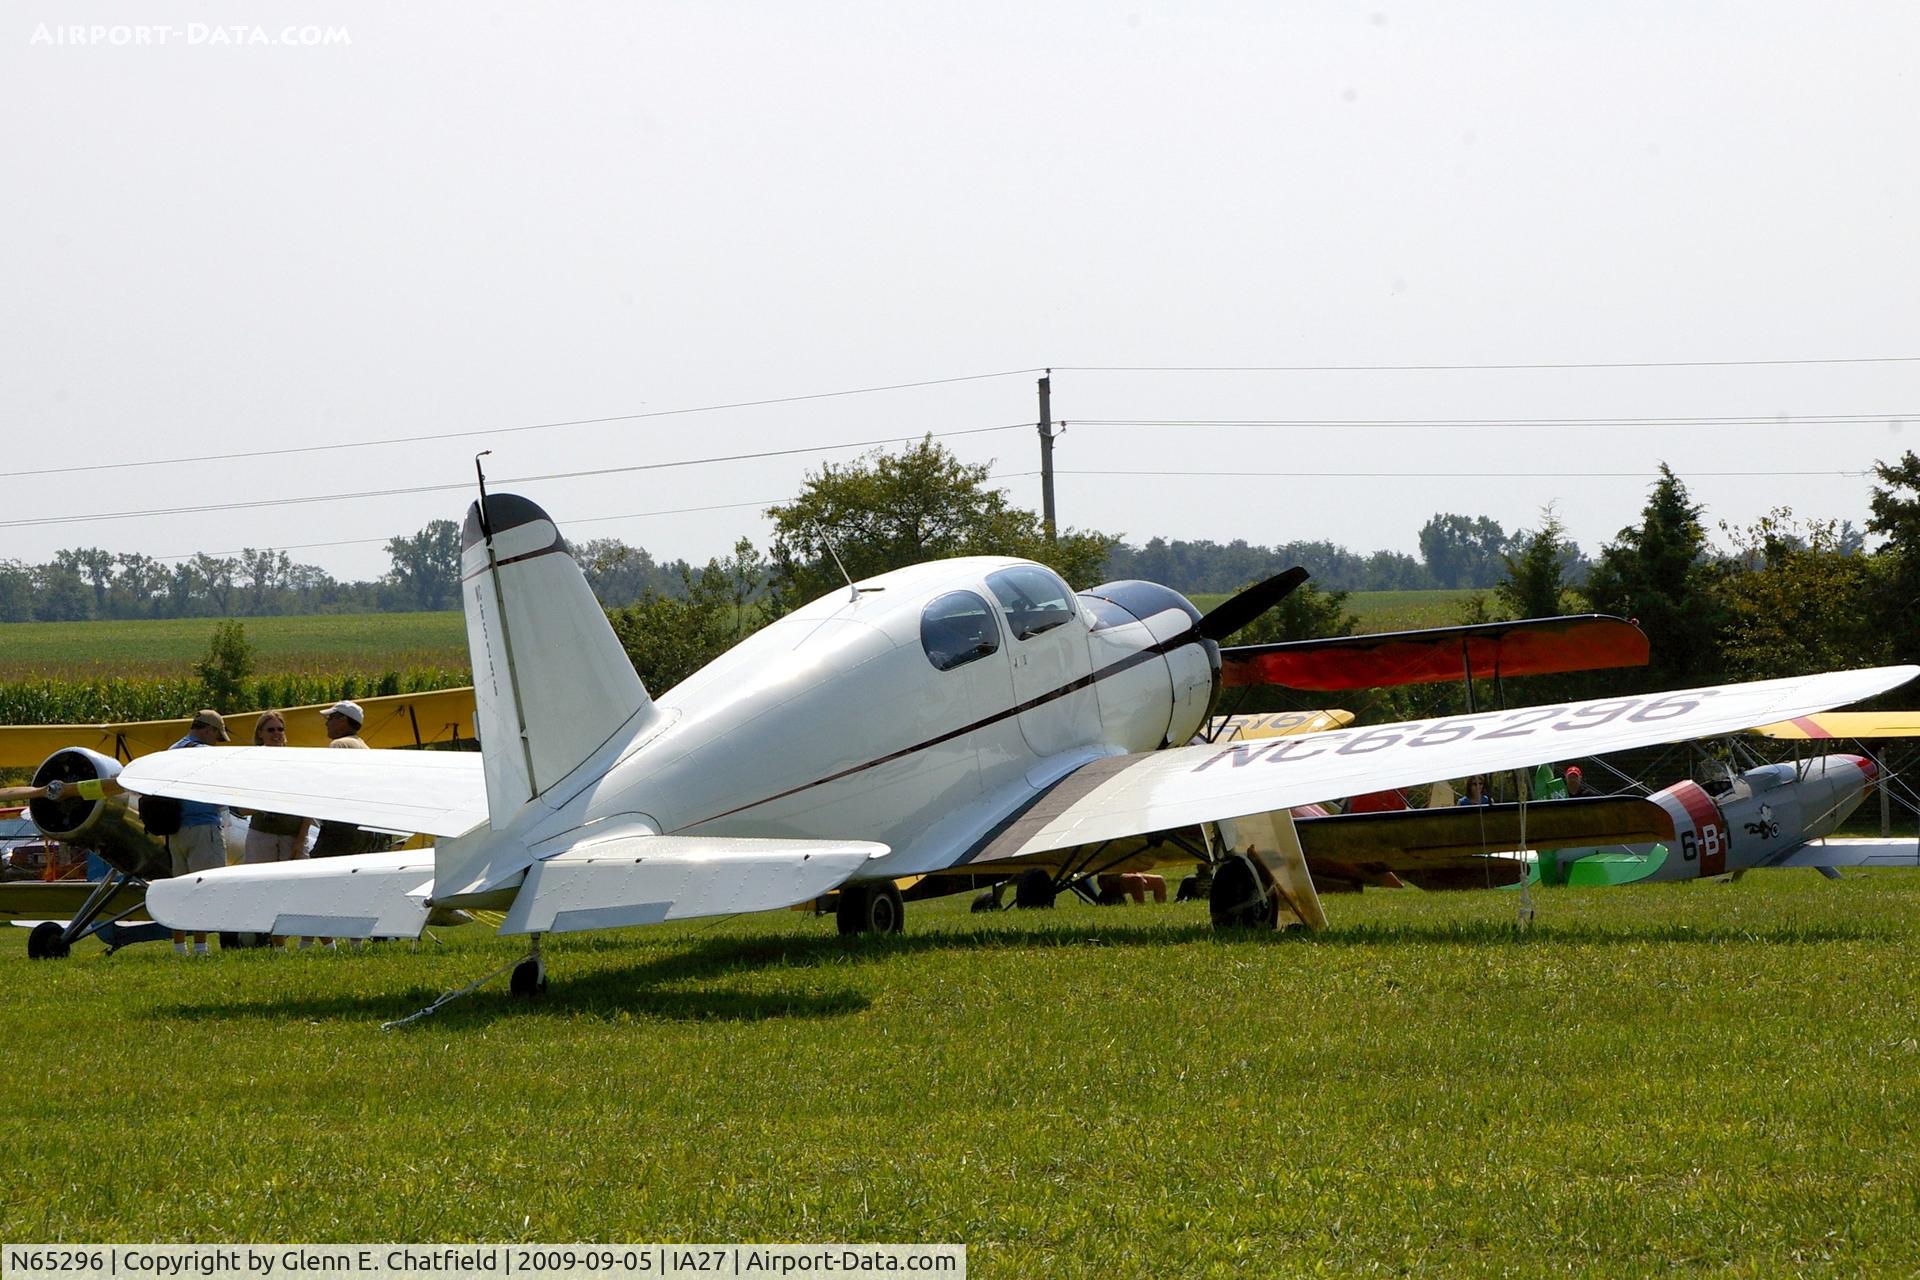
(110,827)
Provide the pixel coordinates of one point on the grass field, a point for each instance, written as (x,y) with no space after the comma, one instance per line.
(168,647)
(1692,1079)
(1392,610)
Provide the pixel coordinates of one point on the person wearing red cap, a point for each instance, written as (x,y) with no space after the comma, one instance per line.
(1577,788)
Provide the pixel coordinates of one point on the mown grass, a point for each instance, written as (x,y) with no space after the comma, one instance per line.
(1704,1078)
(164,648)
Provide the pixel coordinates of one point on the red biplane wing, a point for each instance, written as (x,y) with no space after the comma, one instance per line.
(1529,647)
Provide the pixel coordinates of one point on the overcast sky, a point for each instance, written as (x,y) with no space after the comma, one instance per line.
(452,218)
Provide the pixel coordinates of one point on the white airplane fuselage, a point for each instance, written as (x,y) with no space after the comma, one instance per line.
(846,725)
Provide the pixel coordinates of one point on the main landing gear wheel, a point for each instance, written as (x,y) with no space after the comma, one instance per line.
(1034,889)
(529,978)
(47,942)
(875,908)
(1238,900)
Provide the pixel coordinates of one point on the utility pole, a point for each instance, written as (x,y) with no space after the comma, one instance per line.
(1046,454)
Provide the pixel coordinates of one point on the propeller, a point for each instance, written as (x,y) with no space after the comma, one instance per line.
(1237,611)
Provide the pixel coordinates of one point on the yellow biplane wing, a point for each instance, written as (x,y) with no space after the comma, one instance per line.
(1275,724)
(399,720)
(1845,724)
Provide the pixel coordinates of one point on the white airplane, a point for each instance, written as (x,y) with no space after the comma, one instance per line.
(959,717)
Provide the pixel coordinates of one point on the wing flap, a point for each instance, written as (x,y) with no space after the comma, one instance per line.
(648,879)
(438,793)
(373,895)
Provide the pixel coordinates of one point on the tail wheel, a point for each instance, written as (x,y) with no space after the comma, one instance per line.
(877,908)
(1239,899)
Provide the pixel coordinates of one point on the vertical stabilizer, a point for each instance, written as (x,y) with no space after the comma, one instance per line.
(551,683)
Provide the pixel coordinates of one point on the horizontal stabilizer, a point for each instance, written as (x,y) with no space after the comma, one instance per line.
(437,793)
(372,895)
(647,879)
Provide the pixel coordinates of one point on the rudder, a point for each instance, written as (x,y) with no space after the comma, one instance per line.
(551,683)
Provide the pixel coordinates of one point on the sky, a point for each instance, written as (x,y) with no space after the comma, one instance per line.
(243,241)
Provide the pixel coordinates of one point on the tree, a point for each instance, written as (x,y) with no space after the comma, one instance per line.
(1536,569)
(59,594)
(228,662)
(669,637)
(1896,517)
(1307,613)
(16,592)
(214,575)
(264,574)
(1462,551)
(426,566)
(1660,575)
(139,587)
(1803,608)
(888,510)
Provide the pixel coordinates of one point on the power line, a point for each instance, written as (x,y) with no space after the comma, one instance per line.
(308,499)
(1754,420)
(571,522)
(1473,368)
(536,426)
(1461,475)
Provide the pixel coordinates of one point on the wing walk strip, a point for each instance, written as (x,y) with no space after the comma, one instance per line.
(1069,791)
(1190,636)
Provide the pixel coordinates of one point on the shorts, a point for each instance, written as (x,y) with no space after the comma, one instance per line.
(201,847)
(263,847)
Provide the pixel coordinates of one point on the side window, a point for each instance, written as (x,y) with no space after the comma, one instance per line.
(1034,600)
(956,629)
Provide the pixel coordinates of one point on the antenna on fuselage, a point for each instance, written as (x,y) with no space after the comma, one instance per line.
(486,527)
(853,592)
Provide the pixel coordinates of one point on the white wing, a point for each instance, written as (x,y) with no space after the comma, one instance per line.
(437,793)
(1163,790)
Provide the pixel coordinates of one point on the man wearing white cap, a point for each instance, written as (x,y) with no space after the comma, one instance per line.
(343,728)
(343,725)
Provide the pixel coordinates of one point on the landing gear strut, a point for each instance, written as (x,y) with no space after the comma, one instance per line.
(870,908)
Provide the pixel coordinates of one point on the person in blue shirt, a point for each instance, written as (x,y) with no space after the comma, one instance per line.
(201,842)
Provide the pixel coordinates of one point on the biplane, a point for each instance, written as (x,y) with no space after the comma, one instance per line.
(63,912)
(933,720)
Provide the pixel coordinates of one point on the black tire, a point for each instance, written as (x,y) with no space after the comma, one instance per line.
(985,900)
(850,910)
(529,980)
(245,941)
(47,941)
(875,908)
(1034,890)
(1236,900)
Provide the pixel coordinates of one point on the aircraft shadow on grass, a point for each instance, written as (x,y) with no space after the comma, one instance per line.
(650,988)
